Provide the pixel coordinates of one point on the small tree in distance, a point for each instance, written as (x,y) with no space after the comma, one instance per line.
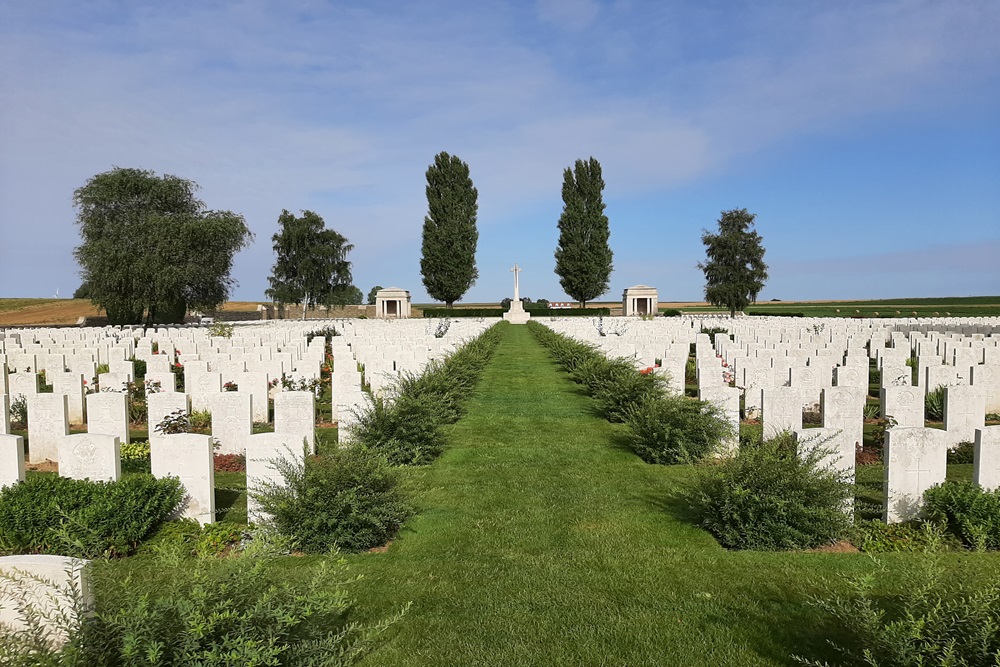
(310,264)
(373,294)
(448,252)
(734,268)
(583,256)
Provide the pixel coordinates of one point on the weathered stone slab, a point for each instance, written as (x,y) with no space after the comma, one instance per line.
(93,456)
(263,449)
(915,460)
(54,586)
(190,458)
(47,425)
(782,410)
(107,413)
(986,464)
(11,460)
(295,414)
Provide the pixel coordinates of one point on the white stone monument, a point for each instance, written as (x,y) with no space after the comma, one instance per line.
(640,300)
(107,413)
(986,464)
(11,460)
(263,449)
(295,414)
(517,314)
(392,303)
(47,425)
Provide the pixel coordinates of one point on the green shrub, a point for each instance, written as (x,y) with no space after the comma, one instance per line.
(70,517)
(135,457)
(768,497)
(349,499)
(404,427)
(964,452)
(674,429)
(404,431)
(929,621)
(875,536)
(670,312)
(967,511)
(232,611)
(934,405)
(19,411)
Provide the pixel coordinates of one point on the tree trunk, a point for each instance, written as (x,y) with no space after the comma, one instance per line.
(449,304)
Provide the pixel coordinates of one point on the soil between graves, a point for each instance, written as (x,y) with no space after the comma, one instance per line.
(540,541)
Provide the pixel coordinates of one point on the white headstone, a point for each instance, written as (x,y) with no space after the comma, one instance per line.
(781,410)
(964,412)
(47,425)
(295,414)
(54,586)
(986,464)
(107,413)
(904,404)
(93,456)
(11,460)
(915,460)
(190,458)
(262,450)
(232,421)
(728,400)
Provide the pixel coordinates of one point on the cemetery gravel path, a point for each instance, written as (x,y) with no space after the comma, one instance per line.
(542,541)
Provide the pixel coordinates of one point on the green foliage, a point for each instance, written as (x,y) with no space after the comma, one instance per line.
(189,538)
(405,427)
(135,456)
(583,256)
(347,499)
(310,266)
(769,497)
(670,312)
(876,536)
(934,620)
(373,293)
(221,330)
(668,429)
(734,267)
(51,514)
(498,312)
(405,431)
(964,452)
(187,251)
(934,405)
(83,291)
(617,386)
(230,611)
(967,511)
(712,332)
(198,420)
(448,250)
(19,410)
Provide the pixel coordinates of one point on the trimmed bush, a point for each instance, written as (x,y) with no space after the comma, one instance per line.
(767,497)
(673,429)
(934,405)
(48,514)
(967,512)
(348,499)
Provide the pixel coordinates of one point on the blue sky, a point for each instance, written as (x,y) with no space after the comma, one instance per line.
(865,135)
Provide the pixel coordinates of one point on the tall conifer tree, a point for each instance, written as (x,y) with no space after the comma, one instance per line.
(734,269)
(448,260)
(583,256)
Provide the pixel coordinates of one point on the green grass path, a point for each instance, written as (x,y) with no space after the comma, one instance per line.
(541,542)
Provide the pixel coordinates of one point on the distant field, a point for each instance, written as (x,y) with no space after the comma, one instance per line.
(968,306)
(41,312)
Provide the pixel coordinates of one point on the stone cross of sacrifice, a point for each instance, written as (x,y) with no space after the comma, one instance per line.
(517,291)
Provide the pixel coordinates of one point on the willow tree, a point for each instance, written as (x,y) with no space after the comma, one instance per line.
(150,249)
(734,267)
(448,251)
(583,256)
(311,266)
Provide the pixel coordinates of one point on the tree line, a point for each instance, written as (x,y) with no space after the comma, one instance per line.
(151,250)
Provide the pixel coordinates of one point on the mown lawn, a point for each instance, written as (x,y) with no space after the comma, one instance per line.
(542,541)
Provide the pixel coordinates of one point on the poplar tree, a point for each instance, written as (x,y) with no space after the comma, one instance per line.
(734,268)
(583,256)
(448,252)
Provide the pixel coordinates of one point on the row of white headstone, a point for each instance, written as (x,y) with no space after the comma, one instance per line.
(781,368)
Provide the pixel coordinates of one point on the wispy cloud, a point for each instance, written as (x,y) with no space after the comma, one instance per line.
(340,106)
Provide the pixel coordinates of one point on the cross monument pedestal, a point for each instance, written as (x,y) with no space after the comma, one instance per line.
(517,314)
